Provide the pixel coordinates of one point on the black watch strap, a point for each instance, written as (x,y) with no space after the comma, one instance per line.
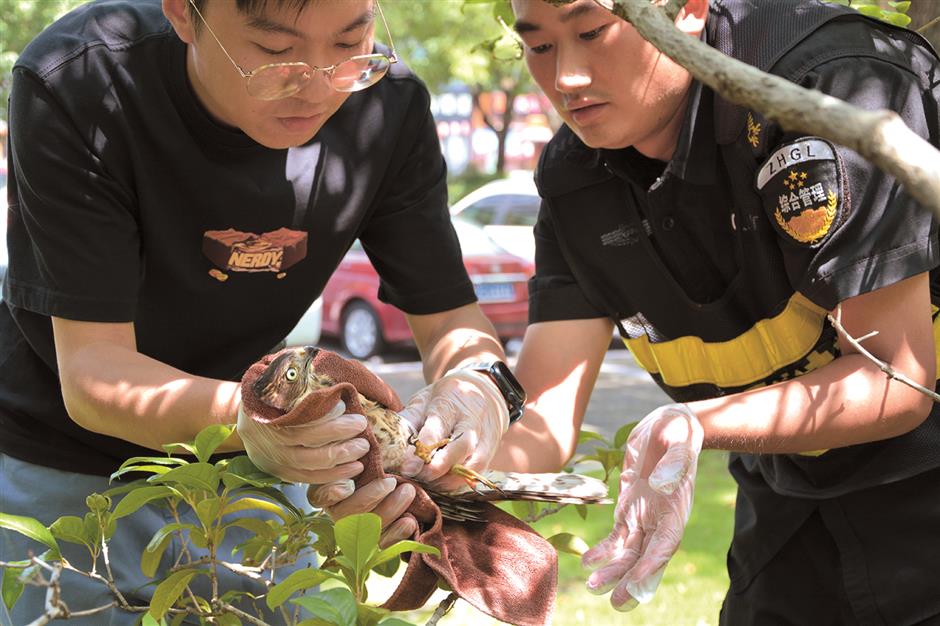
(507,384)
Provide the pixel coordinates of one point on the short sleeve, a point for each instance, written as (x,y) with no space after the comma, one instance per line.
(73,240)
(410,239)
(845,227)
(554,294)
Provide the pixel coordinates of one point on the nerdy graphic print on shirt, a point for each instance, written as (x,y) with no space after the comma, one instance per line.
(237,251)
(802,191)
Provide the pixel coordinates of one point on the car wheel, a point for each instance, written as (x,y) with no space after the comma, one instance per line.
(361,332)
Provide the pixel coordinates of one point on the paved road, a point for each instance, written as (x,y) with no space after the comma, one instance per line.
(623,392)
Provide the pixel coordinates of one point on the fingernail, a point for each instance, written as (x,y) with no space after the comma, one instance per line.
(359,446)
(411,467)
(389,483)
(328,495)
(599,587)
(629,605)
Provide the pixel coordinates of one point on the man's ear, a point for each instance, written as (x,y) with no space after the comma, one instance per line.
(691,19)
(181,16)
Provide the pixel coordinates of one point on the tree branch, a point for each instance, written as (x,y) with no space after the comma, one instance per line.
(836,321)
(923,29)
(442,609)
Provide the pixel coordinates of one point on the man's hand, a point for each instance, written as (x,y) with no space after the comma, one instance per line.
(655,500)
(320,452)
(464,407)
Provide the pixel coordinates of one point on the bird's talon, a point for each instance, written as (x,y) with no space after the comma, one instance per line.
(426,452)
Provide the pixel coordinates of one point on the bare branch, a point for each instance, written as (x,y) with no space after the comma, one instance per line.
(549,510)
(923,29)
(884,367)
(245,616)
(442,609)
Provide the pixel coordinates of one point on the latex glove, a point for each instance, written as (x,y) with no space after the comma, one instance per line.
(322,451)
(653,508)
(381,496)
(466,407)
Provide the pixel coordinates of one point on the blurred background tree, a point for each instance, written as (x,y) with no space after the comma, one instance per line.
(20,21)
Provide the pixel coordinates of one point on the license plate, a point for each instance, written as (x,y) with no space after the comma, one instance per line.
(495,292)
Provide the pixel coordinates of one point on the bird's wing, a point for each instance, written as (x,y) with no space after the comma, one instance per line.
(558,487)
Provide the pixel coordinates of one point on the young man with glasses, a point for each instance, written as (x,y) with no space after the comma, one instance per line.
(184,179)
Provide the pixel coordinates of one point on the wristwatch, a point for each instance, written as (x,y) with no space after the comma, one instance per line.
(507,384)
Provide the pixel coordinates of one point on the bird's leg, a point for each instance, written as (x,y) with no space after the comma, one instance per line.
(472,477)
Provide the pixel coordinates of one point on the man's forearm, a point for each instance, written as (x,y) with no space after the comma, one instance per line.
(116,391)
(847,402)
(453,338)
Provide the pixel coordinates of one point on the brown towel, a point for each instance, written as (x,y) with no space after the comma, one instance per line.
(501,566)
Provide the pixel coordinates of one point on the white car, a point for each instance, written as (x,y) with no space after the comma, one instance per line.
(506,209)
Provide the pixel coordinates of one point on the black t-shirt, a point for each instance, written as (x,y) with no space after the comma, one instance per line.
(129,203)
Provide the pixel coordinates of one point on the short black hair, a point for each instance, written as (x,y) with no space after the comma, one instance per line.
(257,7)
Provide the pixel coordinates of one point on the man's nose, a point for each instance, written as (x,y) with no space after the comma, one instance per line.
(318,87)
(572,73)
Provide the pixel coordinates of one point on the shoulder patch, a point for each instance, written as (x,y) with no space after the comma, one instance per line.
(802,191)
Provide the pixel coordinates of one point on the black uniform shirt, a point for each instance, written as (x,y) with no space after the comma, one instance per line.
(720,272)
(129,203)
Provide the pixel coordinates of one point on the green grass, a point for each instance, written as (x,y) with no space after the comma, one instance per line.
(692,588)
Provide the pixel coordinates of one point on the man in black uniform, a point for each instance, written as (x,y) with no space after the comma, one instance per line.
(717,243)
(184,180)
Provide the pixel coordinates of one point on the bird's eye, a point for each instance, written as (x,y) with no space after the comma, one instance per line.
(290,374)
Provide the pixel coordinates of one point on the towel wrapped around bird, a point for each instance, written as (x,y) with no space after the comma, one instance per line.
(489,558)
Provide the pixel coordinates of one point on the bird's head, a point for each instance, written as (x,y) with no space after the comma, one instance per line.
(289,378)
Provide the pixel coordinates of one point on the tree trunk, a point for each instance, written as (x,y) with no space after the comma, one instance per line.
(503,132)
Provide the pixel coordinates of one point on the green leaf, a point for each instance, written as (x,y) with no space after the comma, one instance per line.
(98,502)
(152,460)
(150,558)
(211,438)
(358,538)
(335,606)
(240,471)
(168,592)
(870,10)
(195,475)
(33,529)
(174,448)
(148,620)
(254,525)
(901,7)
(301,579)
(207,510)
(622,434)
(274,494)
(394,621)
(138,498)
(582,510)
(166,531)
(397,548)
(12,585)
(70,528)
(152,469)
(228,619)
(566,542)
(523,509)
(586,435)
(898,19)
(388,568)
(369,615)
(248,504)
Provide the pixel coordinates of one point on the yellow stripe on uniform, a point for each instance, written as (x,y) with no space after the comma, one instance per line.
(752,356)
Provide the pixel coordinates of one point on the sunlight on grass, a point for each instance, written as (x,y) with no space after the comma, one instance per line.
(692,588)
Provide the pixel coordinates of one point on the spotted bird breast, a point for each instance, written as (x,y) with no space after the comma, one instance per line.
(390,430)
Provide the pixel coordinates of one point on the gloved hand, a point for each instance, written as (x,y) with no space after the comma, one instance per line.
(341,498)
(466,407)
(655,500)
(318,452)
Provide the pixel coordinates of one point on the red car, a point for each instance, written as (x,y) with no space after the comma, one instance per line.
(353,312)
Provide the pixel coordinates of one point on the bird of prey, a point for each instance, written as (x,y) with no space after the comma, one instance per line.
(291,376)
